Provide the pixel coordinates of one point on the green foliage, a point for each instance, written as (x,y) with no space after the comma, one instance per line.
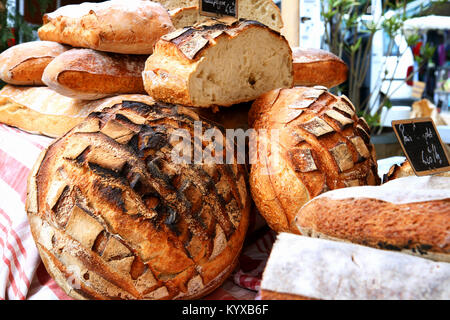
(14,27)
(345,26)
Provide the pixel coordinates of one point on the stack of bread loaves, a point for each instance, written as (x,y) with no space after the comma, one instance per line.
(88,52)
(117,206)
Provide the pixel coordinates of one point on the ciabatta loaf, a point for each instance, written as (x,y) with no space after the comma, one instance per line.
(218,65)
(308,141)
(23,64)
(186,12)
(316,67)
(131,26)
(115,217)
(307,268)
(43,111)
(410,214)
(90,74)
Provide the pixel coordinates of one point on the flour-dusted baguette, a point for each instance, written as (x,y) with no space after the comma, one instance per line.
(218,64)
(23,64)
(115,26)
(314,67)
(186,13)
(115,217)
(90,74)
(44,111)
(410,214)
(307,268)
(308,141)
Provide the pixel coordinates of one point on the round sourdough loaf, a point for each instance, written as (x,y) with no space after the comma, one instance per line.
(308,141)
(218,64)
(114,217)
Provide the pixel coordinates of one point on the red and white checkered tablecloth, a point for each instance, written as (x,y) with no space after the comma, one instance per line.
(22,273)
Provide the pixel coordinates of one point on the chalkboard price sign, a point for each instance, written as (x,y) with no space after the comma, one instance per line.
(422,145)
(219,8)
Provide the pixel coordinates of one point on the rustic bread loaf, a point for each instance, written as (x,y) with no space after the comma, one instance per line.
(131,26)
(218,65)
(112,212)
(410,214)
(314,67)
(23,64)
(186,13)
(306,268)
(308,141)
(405,170)
(44,111)
(89,74)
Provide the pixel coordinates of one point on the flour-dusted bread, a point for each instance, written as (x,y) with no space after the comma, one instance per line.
(23,64)
(90,74)
(308,141)
(131,26)
(186,13)
(43,111)
(316,67)
(306,268)
(115,217)
(410,214)
(218,64)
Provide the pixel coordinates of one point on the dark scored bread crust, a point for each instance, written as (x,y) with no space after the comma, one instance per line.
(192,41)
(322,145)
(168,71)
(107,200)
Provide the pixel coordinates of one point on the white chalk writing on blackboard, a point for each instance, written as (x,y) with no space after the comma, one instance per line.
(227,6)
(406,138)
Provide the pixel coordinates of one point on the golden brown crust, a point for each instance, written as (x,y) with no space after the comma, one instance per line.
(108,199)
(23,64)
(319,148)
(89,74)
(404,170)
(420,227)
(43,111)
(316,67)
(170,70)
(130,27)
(273,295)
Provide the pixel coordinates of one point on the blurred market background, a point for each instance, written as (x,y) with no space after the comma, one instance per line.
(398,53)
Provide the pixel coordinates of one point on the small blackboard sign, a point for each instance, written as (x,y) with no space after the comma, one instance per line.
(219,8)
(422,145)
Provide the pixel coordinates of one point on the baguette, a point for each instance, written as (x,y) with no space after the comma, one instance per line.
(130,27)
(410,214)
(306,268)
(23,64)
(316,67)
(89,74)
(198,67)
(43,111)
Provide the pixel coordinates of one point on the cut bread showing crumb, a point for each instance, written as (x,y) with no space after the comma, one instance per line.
(218,65)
